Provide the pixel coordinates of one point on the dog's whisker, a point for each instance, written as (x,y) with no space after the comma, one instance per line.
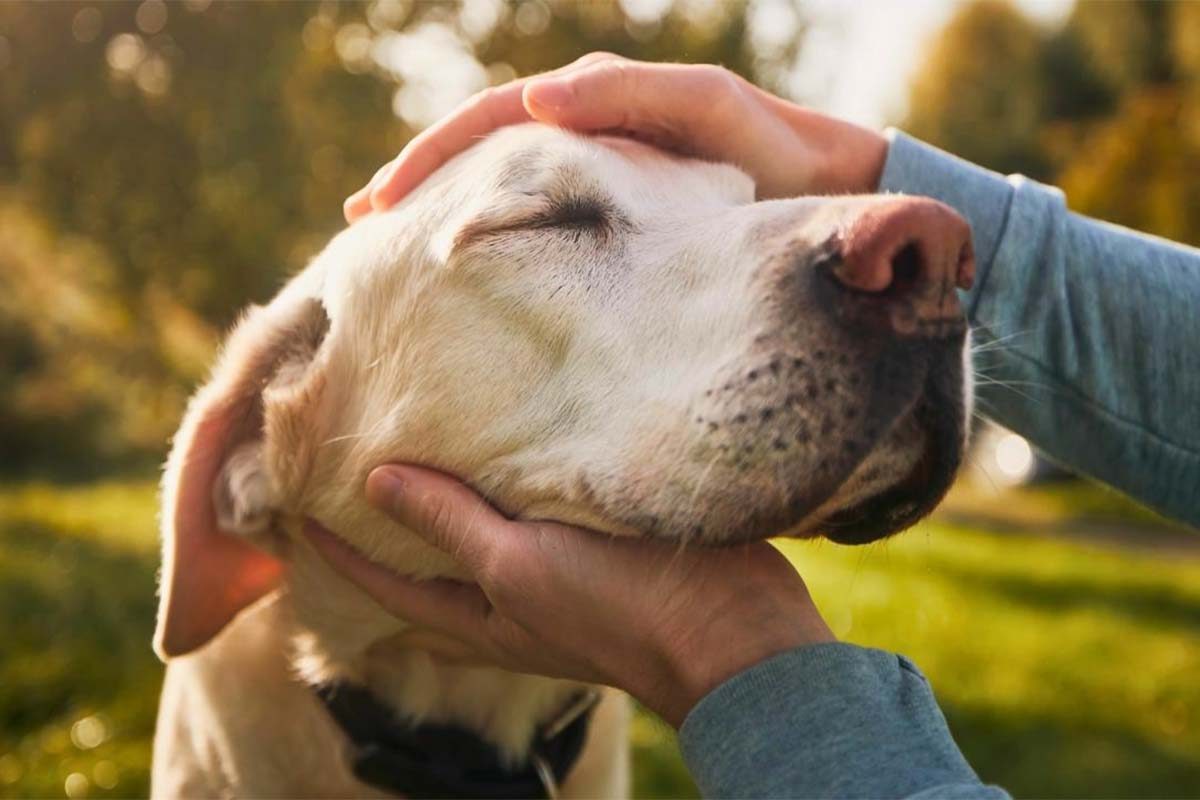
(971,459)
(999,342)
(1000,382)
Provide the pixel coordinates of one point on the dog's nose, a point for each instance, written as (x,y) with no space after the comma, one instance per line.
(908,253)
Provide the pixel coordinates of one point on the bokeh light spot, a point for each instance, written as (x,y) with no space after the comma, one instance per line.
(1014,458)
(125,51)
(10,768)
(388,14)
(501,72)
(151,16)
(435,68)
(317,34)
(76,785)
(89,732)
(105,774)
(478,18)
(773,25)
(85,25)
(532,18)
(154,75)
(645,12)
(353,44)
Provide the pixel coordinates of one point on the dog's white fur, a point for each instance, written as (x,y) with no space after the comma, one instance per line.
(570,325)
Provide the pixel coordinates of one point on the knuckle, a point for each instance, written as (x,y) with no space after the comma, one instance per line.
(617,78)
(492,566)
(718,79)
(484,97)
(597,56)
(727,101)
(502,593)
(498,567)
(439,516)
(624,71)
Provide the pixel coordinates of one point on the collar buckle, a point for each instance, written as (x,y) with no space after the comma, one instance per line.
(581,704)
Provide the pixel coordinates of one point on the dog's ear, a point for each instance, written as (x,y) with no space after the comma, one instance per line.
(218,496)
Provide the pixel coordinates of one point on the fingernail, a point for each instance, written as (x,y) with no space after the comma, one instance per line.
(550,94)
(352,208)
(385,487)
(381,199)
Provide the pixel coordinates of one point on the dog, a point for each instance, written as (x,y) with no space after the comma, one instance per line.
(585,329)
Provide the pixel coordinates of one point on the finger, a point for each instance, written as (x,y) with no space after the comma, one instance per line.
(458,609)
(631,95)
(443,511)
(433,147)
(359,203)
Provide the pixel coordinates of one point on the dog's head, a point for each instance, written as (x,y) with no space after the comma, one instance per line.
(592,331)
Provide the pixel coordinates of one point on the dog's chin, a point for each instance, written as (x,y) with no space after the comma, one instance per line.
(897,506)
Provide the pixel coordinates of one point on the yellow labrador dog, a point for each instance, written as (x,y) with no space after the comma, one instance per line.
(586,330)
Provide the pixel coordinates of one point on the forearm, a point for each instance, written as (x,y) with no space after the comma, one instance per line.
(830,720)
(1087,334)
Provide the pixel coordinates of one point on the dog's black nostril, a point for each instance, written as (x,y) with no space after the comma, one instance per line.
(906,269)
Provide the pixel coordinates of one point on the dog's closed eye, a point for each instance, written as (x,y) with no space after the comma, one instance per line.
(576,212)
(573,215)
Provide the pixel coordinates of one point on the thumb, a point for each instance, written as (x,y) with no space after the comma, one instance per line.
(442,511)
(634,96)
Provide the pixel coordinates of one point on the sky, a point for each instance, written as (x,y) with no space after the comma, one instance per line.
(856,60)
(859,55)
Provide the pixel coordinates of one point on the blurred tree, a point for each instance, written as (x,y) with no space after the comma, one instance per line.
(163,164)
(1141,168)
(1185,43)
(980,92)
(187,152)
(1105,106)
(1122,41)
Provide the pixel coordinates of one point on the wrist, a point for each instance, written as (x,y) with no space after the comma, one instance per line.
(849,158)
(855,158)
(698,664)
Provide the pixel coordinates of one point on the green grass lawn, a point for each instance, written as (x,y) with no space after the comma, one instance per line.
(1066,669)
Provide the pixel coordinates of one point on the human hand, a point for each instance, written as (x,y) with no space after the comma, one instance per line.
(665,624)
(698,110)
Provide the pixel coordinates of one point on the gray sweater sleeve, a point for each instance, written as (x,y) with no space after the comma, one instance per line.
(831,720)
(1088,333)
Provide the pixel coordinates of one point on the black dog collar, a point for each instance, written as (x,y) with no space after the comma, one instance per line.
(444,761)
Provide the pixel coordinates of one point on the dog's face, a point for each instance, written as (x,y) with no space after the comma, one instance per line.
(592,331)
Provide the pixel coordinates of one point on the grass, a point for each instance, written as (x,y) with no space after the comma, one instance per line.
(1066,669)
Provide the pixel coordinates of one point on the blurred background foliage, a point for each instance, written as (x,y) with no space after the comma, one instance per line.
(163,164)
(1107,106)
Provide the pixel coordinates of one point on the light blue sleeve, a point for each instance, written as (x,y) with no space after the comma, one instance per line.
(831,720)
(1088,333)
